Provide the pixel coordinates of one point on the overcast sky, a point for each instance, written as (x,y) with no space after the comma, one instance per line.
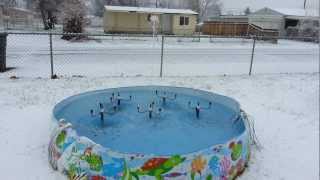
(257,4)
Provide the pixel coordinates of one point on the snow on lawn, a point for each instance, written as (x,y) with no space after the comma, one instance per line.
(285,108)
(134,56)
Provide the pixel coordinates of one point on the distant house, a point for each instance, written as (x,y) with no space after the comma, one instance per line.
(122,19)
(13,16)
(267,18)
(263,22)
(279,19)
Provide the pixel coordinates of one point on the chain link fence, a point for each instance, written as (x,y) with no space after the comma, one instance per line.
(47,55)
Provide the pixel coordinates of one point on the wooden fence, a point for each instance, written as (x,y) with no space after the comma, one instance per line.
(225,28)
(217,28)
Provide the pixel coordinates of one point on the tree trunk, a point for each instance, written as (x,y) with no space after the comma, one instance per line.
(50,20)
(44,19)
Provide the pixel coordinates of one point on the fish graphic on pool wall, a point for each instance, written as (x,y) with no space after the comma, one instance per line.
(94,160)
(112,167)
(157,167)
(236,150)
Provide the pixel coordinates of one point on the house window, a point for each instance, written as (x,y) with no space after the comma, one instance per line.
(184,21)
(181,20)
(149,18)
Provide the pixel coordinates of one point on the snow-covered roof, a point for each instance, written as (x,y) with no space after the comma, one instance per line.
(292,12)
(22,10)
(286,12)
(229,18)
(267,11)
(149,10)
(297,12)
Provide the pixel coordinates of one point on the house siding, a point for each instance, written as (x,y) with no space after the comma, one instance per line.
(267,22)
(131,22)
(127,22)
(184,29)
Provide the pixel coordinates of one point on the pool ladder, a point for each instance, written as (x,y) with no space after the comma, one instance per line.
(252,132)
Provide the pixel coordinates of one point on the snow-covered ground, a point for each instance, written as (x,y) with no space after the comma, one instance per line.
(285,108)
(282,95)
(123,56)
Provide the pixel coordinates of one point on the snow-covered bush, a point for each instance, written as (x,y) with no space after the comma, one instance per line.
(309,28)
(73,15)
(306,30)
(292,31)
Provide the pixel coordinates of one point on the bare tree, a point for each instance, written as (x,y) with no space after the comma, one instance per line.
(148,3)
(292,32)
(309,28)
(8,4)
(73,15)
(209,8)
(98,7)
(247,11)
(194,5)
(128,2)
(157,3)
(30,4)
(49,11)
(164,3)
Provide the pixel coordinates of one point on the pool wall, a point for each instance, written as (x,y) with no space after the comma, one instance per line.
(80,158)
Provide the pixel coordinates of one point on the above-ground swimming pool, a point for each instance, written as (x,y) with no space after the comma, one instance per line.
(149,132)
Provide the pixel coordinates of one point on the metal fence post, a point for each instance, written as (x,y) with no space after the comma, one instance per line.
(51,56)
(3,47)
(162,47)
(252,54)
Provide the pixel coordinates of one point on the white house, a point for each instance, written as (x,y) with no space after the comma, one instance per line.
(119,19)
(279,19)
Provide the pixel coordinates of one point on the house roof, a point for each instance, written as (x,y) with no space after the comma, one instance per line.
(21,10)
(297,12)
(267,11)
(292,12)
(149,10)
(286,12)
(228,18)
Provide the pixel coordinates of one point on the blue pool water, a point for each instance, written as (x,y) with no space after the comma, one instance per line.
(176,130)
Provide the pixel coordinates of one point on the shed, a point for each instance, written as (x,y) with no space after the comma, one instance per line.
(267,19)
(124,19)
(280,19)
(293,17)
